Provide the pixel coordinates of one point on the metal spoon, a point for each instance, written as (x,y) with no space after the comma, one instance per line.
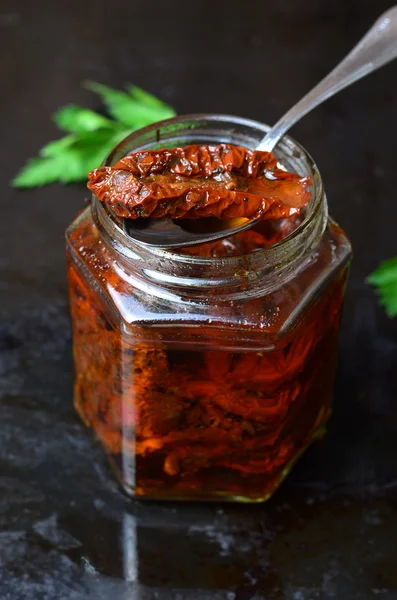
(376,48)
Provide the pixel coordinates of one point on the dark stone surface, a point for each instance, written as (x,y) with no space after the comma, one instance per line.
(66,531)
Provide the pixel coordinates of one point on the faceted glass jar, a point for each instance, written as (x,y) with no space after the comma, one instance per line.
(204,377)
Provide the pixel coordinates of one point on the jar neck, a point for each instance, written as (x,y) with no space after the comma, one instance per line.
(159,271)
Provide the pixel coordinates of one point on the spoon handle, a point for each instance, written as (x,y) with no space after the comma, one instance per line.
(375,49)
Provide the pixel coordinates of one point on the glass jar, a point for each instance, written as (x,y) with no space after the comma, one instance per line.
(205,377)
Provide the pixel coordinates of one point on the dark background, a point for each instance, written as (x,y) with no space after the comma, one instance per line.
(331,530)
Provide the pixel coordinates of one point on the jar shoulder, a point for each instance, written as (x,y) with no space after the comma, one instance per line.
(137,302)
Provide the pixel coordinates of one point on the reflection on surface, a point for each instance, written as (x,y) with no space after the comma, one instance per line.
(183,549)
(130,548)
(191,549)
(283,550)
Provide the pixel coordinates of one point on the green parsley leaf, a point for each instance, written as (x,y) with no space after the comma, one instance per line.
(38,172)
(384,279)
(132,109)
(70,159)
(140,95)
(57,146)
(77,119)
(91,136)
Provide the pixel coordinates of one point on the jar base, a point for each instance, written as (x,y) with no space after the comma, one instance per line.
(156,494)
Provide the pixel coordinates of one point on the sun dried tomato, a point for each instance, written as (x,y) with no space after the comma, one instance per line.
(221,181)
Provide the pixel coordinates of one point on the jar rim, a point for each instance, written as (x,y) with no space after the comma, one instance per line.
(128,144)
(265,267)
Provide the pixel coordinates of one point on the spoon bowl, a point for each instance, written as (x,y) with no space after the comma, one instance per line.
(180,233)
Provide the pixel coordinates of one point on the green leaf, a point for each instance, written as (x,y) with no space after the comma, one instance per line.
(117,102)
(69,159)
(91,136)
(77,119)
(87,153)
(58,146)
(38,172)
(144,97)
(385,273)
(148,106)
(131,110)
(384,279)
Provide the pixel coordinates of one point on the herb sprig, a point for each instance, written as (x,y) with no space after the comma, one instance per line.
(384,279)
(90,135)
